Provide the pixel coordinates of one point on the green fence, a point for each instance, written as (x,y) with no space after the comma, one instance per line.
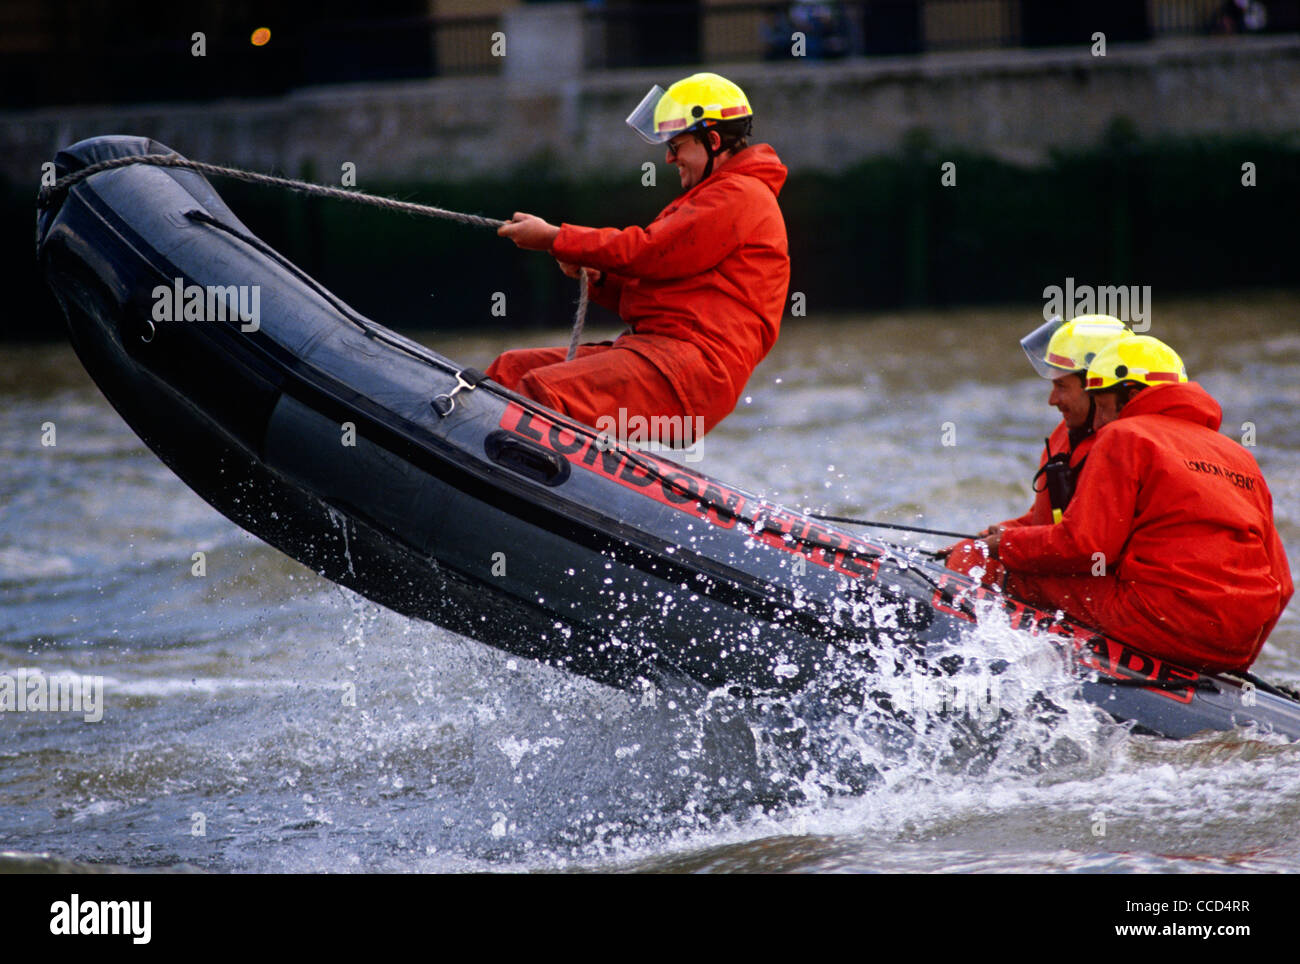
(887,233)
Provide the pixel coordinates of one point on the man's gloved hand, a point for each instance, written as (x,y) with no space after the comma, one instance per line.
(994,531)
(529,232)
(593,275)
(992,537)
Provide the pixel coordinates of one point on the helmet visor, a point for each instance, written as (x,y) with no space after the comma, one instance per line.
(1035,345)
(654,130)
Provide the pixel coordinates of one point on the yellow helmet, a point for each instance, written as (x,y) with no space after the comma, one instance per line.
(1058,348)
(1139,358)
(695,103)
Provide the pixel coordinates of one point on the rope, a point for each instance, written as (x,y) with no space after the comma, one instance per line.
(580,316)
(890,525)
(48,195)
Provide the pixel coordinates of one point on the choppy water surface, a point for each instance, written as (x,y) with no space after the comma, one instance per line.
(227,697)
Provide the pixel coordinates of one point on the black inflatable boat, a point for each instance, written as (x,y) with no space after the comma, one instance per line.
(415,482)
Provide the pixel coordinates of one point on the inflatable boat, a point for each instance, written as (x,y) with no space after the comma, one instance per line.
(431,490)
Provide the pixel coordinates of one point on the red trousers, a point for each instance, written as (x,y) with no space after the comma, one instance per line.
(599,381)
(1103,602)
(1088,599)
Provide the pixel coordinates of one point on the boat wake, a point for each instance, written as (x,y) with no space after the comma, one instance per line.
(511,763)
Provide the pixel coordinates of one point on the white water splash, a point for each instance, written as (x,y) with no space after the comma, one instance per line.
(340,522)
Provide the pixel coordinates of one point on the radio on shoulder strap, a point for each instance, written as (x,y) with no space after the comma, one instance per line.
(1059,478)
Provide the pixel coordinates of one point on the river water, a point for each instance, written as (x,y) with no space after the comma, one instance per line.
(229,741)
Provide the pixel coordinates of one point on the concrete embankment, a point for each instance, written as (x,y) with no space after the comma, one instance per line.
(1014,105)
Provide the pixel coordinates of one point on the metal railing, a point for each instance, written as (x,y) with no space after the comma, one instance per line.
(100,57)
(654,34)
(398,49)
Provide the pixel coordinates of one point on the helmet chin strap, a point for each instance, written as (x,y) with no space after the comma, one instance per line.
(708,148)
(1125,394)
(1077,435)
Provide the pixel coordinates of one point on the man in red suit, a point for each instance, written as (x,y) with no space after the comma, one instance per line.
(1169,542)
(1060,352)
(702,287)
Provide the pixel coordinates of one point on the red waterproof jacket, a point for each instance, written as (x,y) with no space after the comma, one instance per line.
(1184,523)
(703,286)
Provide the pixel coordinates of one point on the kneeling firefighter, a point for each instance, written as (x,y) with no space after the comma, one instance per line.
(1169,543)
(1060,352)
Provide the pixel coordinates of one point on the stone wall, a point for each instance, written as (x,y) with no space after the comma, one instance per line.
(1011,104)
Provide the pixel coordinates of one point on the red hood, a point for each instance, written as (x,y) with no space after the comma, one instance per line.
(758,161)
(1185,400)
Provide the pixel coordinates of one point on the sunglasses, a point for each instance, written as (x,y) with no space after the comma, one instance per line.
(674,148)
